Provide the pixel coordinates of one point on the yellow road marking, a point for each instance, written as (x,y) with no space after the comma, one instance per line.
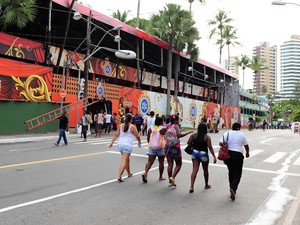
(50,160)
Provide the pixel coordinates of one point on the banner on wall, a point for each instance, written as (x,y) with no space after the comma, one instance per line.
(190,111)
(23,81)
(21,48)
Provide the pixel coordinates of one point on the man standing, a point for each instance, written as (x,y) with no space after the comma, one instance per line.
(149,122)
(63,127)
(84,125)
(108,118)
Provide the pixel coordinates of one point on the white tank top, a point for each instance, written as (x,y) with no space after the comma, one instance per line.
(126,138)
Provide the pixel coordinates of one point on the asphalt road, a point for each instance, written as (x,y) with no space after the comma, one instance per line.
(42,184)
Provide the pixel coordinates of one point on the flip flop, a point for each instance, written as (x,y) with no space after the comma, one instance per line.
(162,179)
(120,179)
(191,190)
(130,175)
(144,178)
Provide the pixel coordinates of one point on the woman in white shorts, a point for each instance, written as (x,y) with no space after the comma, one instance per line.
(127,132)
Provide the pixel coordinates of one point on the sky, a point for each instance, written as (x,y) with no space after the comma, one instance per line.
(257,21)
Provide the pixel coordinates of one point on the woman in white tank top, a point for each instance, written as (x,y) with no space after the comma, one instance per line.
(126,133)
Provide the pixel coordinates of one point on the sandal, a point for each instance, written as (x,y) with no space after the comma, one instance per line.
(144,178)
(120,179)
(191,190)
(207,186)
(130,175)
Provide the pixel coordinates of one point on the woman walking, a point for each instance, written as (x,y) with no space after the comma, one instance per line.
(236,140)
(173,151)
(201,142)
(127,132)
(155,138)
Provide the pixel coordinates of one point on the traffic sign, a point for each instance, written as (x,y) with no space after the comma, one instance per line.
(100,90)
(63,93)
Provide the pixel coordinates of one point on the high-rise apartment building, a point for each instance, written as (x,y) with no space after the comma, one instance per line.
(232,67)
(265,81)
(290,66)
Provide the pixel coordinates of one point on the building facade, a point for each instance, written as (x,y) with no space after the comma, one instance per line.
(290,66)
(265,81)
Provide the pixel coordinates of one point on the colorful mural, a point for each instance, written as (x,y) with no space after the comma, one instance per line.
(21,48)
(22,81)
(191,111)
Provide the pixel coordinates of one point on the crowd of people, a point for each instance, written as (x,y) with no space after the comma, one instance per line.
(163,137)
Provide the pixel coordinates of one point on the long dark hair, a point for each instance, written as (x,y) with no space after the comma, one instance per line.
(174,118)
(202,131)
(128,118)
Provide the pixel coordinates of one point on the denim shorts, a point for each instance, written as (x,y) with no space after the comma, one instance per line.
(173,151)
(160,152)
(200,155)
(125,148)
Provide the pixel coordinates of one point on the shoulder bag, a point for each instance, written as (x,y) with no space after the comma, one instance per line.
(224,152)
(189,149)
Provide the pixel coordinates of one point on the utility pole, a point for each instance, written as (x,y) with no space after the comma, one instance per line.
(48,36)
(138,70)
(87,62)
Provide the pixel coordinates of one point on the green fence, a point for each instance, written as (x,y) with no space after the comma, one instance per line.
(13,115)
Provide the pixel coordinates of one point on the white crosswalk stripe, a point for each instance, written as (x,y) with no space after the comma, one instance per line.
(297,162)
(275,157)
(255,152)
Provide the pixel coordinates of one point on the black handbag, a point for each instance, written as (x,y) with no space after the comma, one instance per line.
(189,149)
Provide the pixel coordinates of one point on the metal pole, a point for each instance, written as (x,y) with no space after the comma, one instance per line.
(63,84)
(138,14)
(87,61)
(79,74)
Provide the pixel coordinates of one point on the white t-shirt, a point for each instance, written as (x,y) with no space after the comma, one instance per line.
(100,118)
(108,118)
(236,140)
(150,122)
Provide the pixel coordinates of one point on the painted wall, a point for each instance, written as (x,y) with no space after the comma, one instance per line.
(13,114)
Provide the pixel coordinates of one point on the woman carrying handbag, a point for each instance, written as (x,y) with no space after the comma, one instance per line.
(236,142)
(201,142)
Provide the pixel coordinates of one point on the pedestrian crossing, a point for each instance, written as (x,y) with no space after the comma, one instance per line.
(276,157)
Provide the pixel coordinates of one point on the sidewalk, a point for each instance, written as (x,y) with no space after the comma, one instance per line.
(22,138)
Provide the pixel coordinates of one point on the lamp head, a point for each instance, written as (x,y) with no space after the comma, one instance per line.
(278,3)
(221,81)
(205,77)
(117,38)
(190,68)
(118,27)
(77,16)
(125,54)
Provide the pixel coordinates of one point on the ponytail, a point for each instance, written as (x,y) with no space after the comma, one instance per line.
(128,118)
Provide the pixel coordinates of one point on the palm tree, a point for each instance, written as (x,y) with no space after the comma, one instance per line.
(243,62)
(221,20)
(175,26)
(143,23)
(18,13)
(257,64)
(122,16)
(191,2)
(229,36)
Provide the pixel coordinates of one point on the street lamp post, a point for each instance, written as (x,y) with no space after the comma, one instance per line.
(119,53)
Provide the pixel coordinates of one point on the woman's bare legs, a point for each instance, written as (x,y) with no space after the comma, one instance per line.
(124,164)
(196,164)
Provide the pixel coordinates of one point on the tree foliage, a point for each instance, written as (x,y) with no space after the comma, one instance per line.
(17,13)
(218,24)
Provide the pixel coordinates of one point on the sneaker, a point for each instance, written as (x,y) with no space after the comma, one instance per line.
(55,144)
(65,145)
